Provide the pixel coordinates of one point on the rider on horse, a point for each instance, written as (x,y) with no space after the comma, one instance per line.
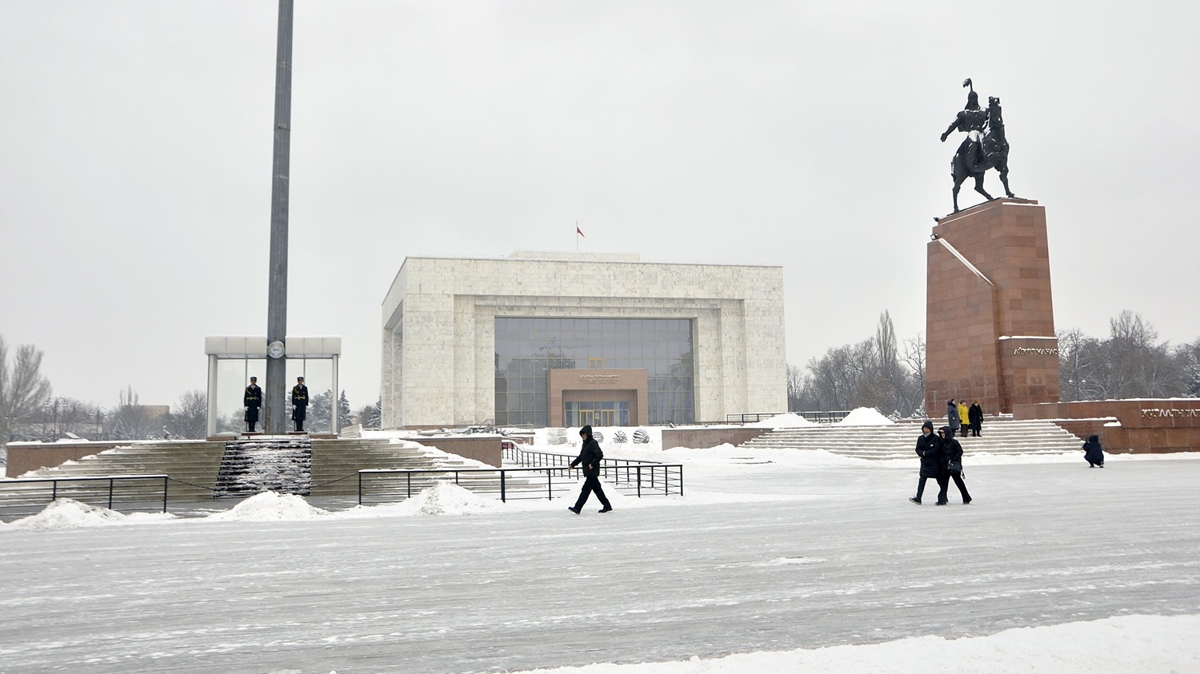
(972,121)
(979,151)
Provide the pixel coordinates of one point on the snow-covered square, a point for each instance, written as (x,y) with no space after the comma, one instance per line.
(781,561)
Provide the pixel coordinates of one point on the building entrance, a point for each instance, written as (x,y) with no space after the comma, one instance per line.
(596,413)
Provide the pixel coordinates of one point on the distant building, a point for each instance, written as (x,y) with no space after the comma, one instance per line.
(570,339)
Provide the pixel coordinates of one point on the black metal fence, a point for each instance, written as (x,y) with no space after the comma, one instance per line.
(634,478)
(123,493)
(820,417)
(750,417)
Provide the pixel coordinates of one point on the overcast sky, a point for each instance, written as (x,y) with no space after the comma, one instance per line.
(136,141)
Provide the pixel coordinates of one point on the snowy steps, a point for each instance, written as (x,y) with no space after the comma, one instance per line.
(194,465)
(282,464)
(998,436)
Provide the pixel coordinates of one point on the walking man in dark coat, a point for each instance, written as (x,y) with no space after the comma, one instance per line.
(299,403)
(590,457)
(252,400)
(976,416)
(932,464)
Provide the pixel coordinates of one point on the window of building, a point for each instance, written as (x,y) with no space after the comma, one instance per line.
(528,348)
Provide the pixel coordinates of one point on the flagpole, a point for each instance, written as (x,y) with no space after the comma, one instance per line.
(576,236)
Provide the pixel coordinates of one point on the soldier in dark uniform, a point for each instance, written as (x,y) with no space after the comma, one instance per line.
(252,400)
(299,403)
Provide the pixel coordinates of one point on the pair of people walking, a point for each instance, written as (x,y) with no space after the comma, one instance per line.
(941,459)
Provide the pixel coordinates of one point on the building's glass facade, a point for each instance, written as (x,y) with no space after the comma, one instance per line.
(527,348)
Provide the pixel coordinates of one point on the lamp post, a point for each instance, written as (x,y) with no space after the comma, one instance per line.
(276,374)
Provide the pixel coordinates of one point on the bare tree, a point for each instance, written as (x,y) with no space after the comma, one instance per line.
(133,421)
(189,418)
(1131,363)
(1187,357)
(62,417)
(870,373)
(23,389)
(795,388)
(1080,367)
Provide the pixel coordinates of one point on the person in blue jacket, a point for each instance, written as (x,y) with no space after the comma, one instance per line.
(933,464)
(1093,453)
(589,457)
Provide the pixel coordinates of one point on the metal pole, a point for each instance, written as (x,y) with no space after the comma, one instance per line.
(276,386)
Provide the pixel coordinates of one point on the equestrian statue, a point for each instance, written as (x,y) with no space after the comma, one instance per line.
(984,147)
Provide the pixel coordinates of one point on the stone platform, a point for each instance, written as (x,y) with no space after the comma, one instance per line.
(989,315)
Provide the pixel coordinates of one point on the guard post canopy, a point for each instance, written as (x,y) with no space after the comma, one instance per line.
(232,360)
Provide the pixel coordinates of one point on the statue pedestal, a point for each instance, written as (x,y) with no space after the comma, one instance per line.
(989,321)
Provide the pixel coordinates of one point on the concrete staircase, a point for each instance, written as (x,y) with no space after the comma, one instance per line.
(998,436)
(282,464)
(194,466)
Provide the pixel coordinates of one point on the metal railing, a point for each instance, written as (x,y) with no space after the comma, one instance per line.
(820,417)
(115,492)
(750,417)
(825,417)
(527,459)
(384,485)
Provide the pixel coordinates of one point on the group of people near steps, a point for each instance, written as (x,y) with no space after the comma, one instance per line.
(252,400)
(967,419)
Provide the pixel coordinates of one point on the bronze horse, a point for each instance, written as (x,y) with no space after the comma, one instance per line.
(974,160)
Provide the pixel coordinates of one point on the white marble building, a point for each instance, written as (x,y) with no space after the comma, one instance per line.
(467,341)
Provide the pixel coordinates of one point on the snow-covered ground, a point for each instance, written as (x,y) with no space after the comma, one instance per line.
(772,561)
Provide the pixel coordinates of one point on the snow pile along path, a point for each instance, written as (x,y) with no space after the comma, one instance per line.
(66,513)
(1126,644)
(270,507)
(788,420)
(865,416)
(445,498)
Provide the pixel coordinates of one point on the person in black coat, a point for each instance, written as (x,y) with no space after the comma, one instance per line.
(933,464)
(975,414)
(299,403)
(953,452)
(952,417)
(1093,452)
(589,457)
(252,400)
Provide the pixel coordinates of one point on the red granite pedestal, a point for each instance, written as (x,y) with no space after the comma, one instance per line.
(989,322)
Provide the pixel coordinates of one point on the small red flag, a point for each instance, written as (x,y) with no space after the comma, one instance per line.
(579,231)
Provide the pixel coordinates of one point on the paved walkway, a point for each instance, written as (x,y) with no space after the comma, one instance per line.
(848,561)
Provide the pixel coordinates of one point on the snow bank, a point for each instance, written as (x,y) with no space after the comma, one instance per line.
(446,498)
(865,416)
(443,498)
(270,507)
(66,513)
(788,420)
(1122,644)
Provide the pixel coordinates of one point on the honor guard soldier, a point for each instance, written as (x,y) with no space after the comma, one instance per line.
(299,403)
(252,400)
